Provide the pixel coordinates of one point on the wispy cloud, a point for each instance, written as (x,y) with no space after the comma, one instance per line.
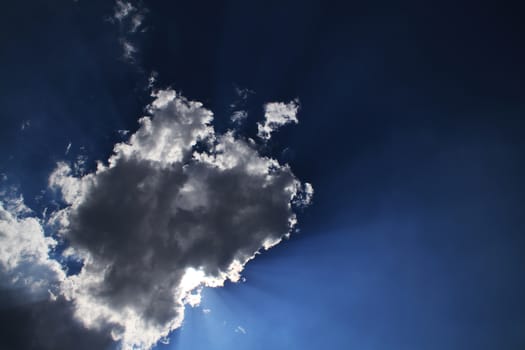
(25,124)
(277,114)
(239,116)
(130,19)
(123,9)
(240,329)
(129,50)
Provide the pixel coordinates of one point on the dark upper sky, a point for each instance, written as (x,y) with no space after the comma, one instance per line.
(410,129)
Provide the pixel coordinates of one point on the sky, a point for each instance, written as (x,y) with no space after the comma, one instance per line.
(262,175)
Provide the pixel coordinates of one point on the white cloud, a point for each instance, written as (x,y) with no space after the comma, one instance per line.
(304,196)
(166,139)
(277,114)
(24,252)
(240,329)
(164,218)
(206,311)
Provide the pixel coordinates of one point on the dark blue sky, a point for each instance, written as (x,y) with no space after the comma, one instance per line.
(410,129)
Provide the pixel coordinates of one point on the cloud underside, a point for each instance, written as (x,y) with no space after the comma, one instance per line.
(176,207)
(45,325)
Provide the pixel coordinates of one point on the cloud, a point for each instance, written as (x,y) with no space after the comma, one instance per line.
(136,22)
(175,208)
(240,329)
(239,116)
(24,252)
(243,94)
(152,79)
(25,124)
(239,105)
(242,99)
(123,132)
(129,50)
(123,9)
(130,20)
(277,114)
(45,325)
(32,313)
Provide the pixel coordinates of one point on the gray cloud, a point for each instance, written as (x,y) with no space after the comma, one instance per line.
(176,207)
(32,314)
(45,325)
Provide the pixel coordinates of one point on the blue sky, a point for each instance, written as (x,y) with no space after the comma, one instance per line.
(410,131)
